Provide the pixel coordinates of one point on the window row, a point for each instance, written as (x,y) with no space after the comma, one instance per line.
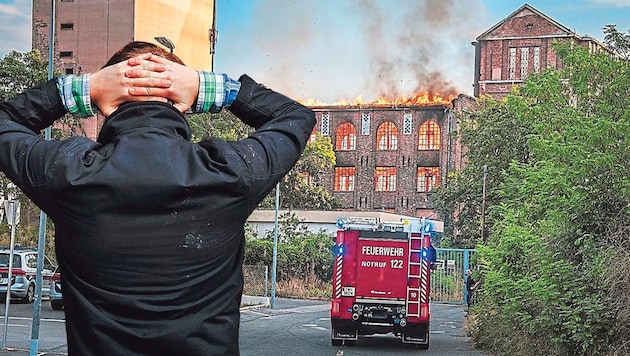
(427,179)
(387,136)
(520,72)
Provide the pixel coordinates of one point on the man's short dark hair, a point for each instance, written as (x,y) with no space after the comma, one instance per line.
(136,48)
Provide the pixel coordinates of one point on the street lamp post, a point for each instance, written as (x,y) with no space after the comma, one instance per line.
(12,212)
(165,42)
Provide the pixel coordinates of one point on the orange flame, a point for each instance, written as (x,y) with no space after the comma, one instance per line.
(424,98)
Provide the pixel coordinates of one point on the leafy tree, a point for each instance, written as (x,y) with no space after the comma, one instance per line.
(617,41)
(300,188)
(18,72)
(560,215)
(223,125)
(494,136)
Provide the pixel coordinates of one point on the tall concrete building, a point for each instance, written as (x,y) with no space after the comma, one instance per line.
(88,32)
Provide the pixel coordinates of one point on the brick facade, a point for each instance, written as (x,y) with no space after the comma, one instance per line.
(519,45)
(406,158)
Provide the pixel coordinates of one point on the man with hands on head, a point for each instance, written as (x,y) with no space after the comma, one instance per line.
(149,227)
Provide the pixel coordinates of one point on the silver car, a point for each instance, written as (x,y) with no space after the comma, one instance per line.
(55,292)
(23,274)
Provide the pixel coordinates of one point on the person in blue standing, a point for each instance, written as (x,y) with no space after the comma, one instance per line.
(471,285)
(149,226)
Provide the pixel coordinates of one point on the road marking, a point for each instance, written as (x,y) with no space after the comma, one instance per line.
(255,312)
(22,325)
(31,319)
(309,309)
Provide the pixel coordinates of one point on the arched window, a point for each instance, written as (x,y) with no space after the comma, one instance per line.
(346,137)
(344,179)
(429,136)
(428,179)
(387,137)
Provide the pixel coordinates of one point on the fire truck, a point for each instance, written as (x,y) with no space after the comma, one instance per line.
(381,280)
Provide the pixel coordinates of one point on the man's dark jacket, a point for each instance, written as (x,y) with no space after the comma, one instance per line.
(149,226)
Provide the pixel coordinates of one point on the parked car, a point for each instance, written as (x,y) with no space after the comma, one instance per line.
(23,274)
(55,291)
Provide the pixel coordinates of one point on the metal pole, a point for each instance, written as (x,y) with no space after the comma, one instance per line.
(10,208)
(213,35)
(275,250)
(483,205)
(41,241)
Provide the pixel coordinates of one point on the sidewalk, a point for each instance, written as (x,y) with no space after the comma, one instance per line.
(19,343)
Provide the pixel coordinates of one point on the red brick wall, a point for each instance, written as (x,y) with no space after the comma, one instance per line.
(525,30)
(405,200)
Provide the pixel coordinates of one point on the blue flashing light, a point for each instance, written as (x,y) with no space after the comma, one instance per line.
(339,250)
(427,227)
(425,253)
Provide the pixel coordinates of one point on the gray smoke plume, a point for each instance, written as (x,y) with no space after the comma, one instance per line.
(334,50)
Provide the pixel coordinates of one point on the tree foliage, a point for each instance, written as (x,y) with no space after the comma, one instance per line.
(300,188)
(617,41)
(494,136)
(18,72)
(559,210)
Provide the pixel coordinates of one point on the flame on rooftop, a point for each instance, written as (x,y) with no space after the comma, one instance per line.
(424,98)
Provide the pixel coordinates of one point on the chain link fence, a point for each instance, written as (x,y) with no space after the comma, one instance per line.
(256,280)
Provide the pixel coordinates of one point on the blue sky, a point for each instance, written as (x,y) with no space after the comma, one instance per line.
(343,49)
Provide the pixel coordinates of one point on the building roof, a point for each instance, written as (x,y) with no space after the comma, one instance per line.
(527,9)
(324,217)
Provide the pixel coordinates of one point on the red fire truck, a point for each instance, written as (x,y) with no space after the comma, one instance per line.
(381,280)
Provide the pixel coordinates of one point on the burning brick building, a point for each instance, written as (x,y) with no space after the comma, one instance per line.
(391,157)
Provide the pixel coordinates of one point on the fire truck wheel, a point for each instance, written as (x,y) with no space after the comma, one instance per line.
(425,346)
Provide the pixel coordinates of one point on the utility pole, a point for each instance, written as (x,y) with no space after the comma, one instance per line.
(275,249)
(213,35)
(483,204)
(43,218)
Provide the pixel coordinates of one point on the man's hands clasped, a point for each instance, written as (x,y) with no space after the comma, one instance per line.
(144,78)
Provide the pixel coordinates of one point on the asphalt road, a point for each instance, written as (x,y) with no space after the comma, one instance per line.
(294,327)
(302,328)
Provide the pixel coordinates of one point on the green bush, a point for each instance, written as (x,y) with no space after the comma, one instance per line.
(301,253)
